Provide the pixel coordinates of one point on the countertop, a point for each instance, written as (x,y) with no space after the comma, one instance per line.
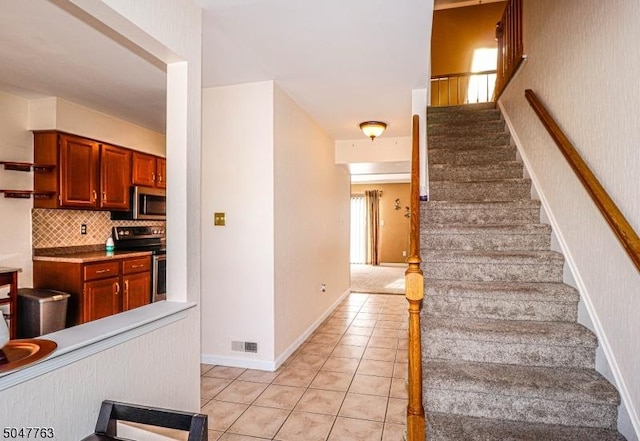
(87,256)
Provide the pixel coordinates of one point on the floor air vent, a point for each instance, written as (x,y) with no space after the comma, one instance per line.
(244,346)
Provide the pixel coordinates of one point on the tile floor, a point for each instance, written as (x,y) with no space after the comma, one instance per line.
(347,382)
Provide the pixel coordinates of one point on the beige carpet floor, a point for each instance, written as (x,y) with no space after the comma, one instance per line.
(378,279)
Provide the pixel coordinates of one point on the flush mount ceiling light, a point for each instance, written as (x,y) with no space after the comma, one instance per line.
(373,128)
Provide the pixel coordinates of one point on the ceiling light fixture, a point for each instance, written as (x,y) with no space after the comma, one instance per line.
(373,128)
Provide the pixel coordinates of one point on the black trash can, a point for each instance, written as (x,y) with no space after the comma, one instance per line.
(41,311)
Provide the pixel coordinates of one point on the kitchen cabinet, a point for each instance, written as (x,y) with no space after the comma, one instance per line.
(136,282)
(97,289)
(86,174)
(149,170)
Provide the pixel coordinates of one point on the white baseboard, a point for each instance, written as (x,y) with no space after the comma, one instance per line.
(620,384)
(301,339)
(272,365)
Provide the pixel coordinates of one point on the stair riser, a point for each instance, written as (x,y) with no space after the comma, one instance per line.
(490,272)
(481,216)
(477,173)
(467,127)
(474,107)
(483,405)
(509,353)
(495,242)
(500,309)
(466,141)
(480,191)
(472,157)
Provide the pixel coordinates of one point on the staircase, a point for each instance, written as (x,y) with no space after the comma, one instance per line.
(503,355)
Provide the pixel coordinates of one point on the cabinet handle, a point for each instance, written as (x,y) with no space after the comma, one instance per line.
(117,288)
(126,286)
(153,177)
(136,266)
(104,196)
(95,196)
(102,271)
(159,178)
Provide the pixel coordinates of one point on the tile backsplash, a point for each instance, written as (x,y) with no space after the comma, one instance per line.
(61,228)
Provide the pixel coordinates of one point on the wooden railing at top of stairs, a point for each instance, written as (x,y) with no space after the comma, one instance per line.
(614,217)
(510,46)
(414,291)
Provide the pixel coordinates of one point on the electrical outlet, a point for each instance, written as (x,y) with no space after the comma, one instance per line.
(404,254)
(323,287)
(83,229)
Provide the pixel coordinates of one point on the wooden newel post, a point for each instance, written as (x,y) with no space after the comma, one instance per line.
(414,291)
(416,426)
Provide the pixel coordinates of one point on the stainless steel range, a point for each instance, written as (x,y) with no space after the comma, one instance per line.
(137,238)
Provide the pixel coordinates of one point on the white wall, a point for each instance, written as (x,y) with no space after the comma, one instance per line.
(311,223)
(59,114)
(271,169)
(16,144)
(238,259)
(583,63)
(160,368)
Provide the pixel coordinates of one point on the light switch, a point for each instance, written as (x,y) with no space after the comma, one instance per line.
(219,219)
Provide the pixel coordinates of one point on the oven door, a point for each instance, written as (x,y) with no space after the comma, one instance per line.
(159,278)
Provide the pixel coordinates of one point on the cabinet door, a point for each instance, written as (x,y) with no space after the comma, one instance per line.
(144,170)
(78,172)
(101,298)
(115,170)
(161,173)
(137,290)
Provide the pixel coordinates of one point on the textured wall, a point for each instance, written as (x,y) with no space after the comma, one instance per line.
(583,64)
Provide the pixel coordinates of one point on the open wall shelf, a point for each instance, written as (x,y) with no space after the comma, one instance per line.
(26,194)
(26,166)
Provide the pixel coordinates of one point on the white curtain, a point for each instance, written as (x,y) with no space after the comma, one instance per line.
(358,230)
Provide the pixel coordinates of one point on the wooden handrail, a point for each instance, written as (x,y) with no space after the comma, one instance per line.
(414,292)
(614,217)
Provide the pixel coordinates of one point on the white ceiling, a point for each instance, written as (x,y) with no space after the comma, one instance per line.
(343,61)
(46,51)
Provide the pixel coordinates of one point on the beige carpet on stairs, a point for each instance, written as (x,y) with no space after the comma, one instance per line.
(380,279)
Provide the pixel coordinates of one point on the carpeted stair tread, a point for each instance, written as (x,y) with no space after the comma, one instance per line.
(508,331)
(501,301)
(466,173)
(471,108)
(472,155)
(476,127)
(495,257)
(528,343)
(462,140)
(447,427)
(521,211)
(562,384)
(541,292)
(493,190)
(487,237)
(432,228)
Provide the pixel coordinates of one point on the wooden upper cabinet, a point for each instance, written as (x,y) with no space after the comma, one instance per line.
(161,171)
(78,172)
(115,170)
(149,170)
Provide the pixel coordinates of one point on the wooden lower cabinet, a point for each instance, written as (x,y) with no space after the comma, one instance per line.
(97,289)
(101,299)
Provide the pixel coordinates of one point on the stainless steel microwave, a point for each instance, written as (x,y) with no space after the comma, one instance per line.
(146,204)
